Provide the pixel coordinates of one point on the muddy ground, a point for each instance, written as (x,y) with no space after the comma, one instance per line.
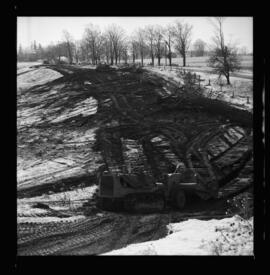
(125,119)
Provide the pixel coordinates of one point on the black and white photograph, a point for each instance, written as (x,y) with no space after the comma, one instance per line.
(135,135)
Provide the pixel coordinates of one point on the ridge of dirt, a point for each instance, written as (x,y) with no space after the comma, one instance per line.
(127,120)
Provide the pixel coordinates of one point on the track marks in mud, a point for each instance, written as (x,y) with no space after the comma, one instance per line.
(92,235)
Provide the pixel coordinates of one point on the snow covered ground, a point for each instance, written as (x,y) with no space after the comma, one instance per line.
(25,66)
(34,77)
(246,74)
(236,93)
(230,236)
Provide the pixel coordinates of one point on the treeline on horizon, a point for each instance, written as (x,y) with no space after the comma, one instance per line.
(114,46)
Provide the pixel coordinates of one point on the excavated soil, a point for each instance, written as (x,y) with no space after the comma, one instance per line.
(126,120)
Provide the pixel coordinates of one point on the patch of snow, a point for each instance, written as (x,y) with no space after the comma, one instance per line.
(197,237)
(25,66)
(39,170)
(235,134)
(65,161)
(167,91)
(156,139)
(88,135)
(36,77)
(85,108)
(241,130)
(45,172)
(26,209)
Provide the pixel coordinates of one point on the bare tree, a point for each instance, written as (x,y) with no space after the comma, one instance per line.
(107,48)
(40,51)
(134,47)
(111,49)
(124,50)
(52,53)
(115,34)
(199,47)
(158,36)
(182,34)
(68,40)
(84,50)
(59,50)
(150,37)
(124,45)
(92,37)
(168,38)
(224,58)
(76,50)
(99,48)
(141,43)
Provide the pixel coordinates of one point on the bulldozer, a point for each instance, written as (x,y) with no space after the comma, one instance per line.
(139,192)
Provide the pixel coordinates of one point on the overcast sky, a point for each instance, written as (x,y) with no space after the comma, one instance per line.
(49,29)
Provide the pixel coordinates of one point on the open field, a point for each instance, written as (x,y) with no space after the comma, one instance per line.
(240,92)
(72,120)
(201,62)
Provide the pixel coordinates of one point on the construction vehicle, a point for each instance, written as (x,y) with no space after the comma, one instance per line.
(139,192)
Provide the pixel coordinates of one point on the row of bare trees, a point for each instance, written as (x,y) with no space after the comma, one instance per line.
(154,41)
(114,45)
(157,42)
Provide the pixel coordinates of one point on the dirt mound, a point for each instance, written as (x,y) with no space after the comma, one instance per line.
(70,126)
(104,68)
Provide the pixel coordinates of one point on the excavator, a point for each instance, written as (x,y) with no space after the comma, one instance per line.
(139,192)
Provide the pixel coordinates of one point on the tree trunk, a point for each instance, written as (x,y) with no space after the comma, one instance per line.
(142,59)
(158,60)
(184,60)
(165,55)
(228,79)
(153,59)
(69,53)
(70,57)
(133,58)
